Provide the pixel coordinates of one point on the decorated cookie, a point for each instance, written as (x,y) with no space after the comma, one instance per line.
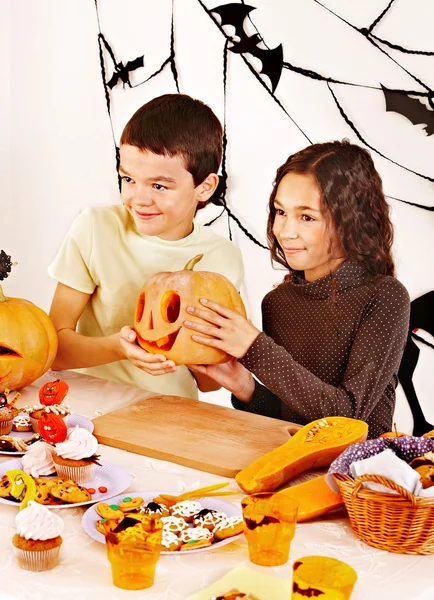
(129,504)
(158,510)
(229,527)
(22,423)
(195,544)
(108,512)
(174,524)
(208,518)
(186,510)
(196,533)
(170,542)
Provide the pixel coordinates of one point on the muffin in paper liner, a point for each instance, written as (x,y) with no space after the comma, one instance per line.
(6,426)
(79,474)
(37,560)
(407,448)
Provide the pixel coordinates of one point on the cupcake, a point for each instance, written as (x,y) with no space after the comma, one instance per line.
(7,416)
(76,457)
(36,411)
(38,460)
(38,538)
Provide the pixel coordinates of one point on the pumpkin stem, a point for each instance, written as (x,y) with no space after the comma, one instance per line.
(2,296)
(193,262)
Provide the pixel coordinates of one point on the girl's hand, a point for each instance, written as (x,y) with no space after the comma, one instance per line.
(231,375)
(153,364)
(229,331)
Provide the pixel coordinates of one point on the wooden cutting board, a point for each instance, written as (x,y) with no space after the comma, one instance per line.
(195,434)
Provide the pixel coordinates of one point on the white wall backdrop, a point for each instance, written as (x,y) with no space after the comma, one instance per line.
(57,151)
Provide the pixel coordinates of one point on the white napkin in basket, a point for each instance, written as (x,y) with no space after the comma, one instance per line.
(387,464)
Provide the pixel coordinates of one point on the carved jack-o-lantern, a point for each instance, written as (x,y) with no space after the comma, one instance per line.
(28,340)
(161,311)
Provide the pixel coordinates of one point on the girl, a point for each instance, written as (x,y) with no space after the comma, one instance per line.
(335,329)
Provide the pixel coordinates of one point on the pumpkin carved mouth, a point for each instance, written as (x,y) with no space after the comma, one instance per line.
(9,352)
(164,343)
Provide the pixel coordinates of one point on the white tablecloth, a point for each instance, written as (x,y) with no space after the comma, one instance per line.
(84,572)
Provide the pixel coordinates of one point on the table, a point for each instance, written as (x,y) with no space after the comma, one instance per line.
(84,572)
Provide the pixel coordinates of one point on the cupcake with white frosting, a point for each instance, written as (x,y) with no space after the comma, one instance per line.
(38,460)
(76,457)
(38,538)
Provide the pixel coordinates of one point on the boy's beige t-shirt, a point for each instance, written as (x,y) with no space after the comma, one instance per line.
(104,255)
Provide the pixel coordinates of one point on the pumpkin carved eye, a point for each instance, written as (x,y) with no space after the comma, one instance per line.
(140,307)
(170,306)
(5,351)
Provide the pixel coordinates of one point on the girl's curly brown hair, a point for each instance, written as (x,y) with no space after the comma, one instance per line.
(352,196)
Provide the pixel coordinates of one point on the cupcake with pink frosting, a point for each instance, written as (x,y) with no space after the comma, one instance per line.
(38,538)
(38,460)
(76,457)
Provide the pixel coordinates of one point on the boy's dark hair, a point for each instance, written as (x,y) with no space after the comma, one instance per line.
(352,196)
(175,124)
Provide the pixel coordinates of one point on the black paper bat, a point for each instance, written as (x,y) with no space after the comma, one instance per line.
(271,60)
(122,72)
(308,592)
(410,108)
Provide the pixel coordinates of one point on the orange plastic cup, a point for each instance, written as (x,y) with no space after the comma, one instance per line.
(269,527)
(134,552)
(322,576)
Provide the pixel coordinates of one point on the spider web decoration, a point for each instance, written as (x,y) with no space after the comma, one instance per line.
(273,63)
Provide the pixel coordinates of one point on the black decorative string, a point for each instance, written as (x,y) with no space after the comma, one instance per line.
(172,52)
(401,48)
(221,198)
(378,19)
(430,208)
(252,70)
(358,134)
(364,31)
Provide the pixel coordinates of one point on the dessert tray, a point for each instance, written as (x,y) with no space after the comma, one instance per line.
(91,516)
(70,420)
(108,476)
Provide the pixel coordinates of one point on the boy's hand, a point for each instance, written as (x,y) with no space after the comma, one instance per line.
(154,364)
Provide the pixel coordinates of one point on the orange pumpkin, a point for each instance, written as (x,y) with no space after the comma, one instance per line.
(28,340)
(53,392)
(52,428)
(161,311)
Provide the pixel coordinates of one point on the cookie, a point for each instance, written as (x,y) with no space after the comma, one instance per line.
(71,493)
(196,533)
(5,487)
(170,542)
(44,485)
(228,528)
(174,524)
(195,544)
(22,423)
(129,504)
(108,512)
(185,510)
(208,518)
(155,509)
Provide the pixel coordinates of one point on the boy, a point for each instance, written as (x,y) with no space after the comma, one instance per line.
(170,152)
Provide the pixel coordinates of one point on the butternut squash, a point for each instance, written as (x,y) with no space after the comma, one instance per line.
(314,445)
(314,497)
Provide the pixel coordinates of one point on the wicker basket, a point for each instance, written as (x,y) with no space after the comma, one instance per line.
(401,523)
